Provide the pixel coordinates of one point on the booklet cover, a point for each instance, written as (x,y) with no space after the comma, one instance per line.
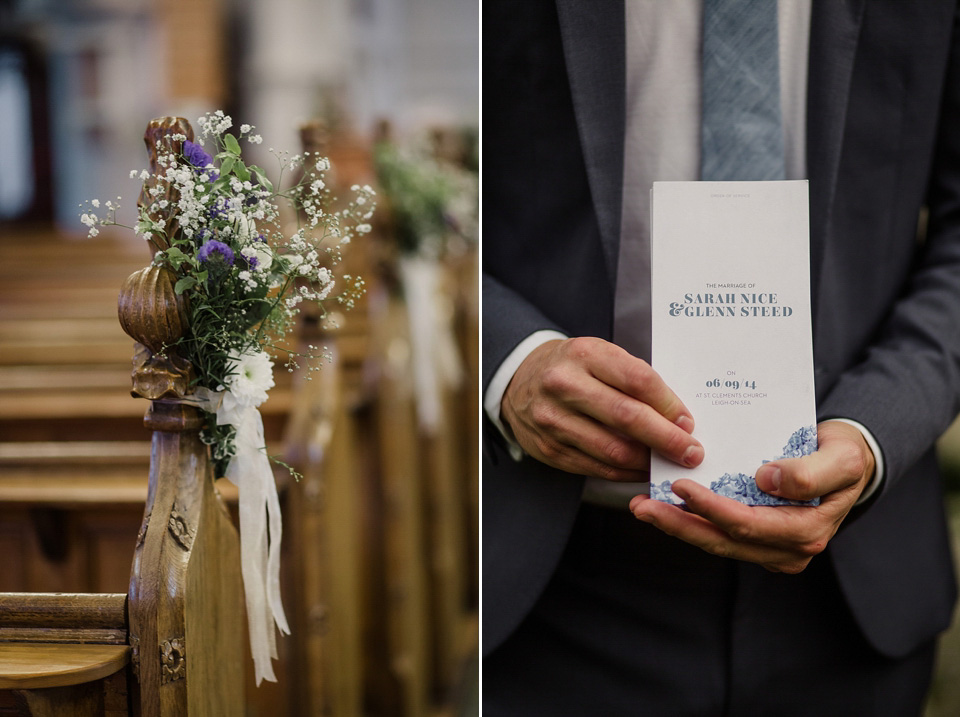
(730,283)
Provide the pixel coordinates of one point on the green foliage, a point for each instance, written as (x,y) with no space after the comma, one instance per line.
(419,193)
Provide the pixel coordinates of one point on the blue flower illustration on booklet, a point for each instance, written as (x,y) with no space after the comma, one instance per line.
(742,487)
(663,493)
(803,442)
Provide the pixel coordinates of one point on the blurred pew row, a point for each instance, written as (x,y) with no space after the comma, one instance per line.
(380,534)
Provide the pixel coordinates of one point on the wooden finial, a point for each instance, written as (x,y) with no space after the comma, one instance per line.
(149,308)
(159,138)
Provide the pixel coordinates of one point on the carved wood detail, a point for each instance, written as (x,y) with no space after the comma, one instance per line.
(151,312)
(179,529)
(143,531)
(135,655)
(173,659)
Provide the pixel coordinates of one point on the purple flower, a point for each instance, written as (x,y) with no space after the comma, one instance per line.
(218,247)
(218,210)
(196,155)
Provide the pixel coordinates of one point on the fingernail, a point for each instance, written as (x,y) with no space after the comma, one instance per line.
(686,423)
(768,479)
(692,456)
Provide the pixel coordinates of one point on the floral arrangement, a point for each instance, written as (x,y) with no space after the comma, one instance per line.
(214,221)
(430,200)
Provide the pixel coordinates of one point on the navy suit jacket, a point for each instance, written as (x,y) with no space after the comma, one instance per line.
(883,149)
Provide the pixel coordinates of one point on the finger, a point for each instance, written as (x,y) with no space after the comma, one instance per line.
(578,385)
(636,378)
(571,459)
(549,429)
(601,443)
(638,422)
(839,463)
(795,528)
(697,531)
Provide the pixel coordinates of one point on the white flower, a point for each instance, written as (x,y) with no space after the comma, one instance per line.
(264,257)
(251,377)
(246,228)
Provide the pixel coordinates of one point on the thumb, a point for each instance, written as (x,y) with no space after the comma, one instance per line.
(840,461)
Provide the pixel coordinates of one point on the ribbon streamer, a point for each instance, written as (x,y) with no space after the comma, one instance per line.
(260,525)
(436,362)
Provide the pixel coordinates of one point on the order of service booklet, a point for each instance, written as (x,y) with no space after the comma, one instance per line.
(730,283)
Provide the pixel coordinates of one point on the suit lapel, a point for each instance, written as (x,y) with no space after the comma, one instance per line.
(834,33)
(594,48)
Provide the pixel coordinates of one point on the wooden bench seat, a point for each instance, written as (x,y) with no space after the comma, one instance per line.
(38,665)
(64,653)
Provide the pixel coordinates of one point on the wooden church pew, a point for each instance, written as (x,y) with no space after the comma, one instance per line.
(64,654)
(183,618)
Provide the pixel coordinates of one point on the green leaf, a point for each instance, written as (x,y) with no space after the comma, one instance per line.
(187,282)
(241,171)
(231,144)
(227,164)
(175,256)
(262,178)
(221,184)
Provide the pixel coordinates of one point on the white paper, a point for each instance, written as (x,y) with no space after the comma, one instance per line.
(730,297)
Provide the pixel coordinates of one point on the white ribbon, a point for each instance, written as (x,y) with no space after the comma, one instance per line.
(436,362)
(260,525)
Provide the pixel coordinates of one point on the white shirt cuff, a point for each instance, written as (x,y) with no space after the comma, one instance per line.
(878,473)
(493,396)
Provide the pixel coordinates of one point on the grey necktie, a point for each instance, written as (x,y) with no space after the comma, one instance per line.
(741,131)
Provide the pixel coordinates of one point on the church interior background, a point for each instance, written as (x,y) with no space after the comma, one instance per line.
(380,570)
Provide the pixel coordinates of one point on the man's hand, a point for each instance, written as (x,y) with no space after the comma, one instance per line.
(586,406)
(782,538)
